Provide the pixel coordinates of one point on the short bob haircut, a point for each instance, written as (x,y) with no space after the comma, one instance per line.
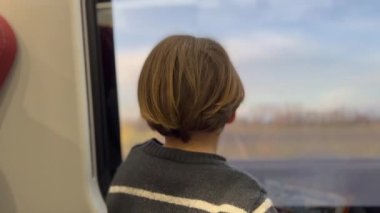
(188,85)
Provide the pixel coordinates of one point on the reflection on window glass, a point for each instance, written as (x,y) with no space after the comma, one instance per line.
(309,127)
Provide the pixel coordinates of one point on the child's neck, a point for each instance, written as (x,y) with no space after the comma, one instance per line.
(200,142)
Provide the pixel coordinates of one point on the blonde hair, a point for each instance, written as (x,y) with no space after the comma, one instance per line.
(188,85)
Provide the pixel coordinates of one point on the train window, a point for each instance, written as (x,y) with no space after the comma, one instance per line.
(309,128)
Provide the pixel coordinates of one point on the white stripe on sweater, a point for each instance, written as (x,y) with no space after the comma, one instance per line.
(264,206)
(186,202)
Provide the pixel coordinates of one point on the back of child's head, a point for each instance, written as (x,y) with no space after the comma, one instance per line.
(188,85)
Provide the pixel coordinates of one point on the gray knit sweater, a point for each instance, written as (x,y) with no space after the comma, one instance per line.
(158,179)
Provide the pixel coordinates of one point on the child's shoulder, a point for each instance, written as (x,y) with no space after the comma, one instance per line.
(242,178)
(242,188)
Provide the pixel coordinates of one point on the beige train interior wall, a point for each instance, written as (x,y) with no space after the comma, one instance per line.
(44,145)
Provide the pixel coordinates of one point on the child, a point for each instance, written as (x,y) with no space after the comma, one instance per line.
(188,91)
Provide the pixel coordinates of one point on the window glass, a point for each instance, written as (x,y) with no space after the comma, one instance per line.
(309,128)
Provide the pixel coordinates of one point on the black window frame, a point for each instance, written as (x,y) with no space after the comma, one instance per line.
(103,87)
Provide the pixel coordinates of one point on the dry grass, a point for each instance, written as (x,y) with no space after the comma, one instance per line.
(246,141)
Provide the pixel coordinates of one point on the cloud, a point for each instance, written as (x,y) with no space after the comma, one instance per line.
(143,4)
(358,24)
(347,98)
(129,64)
(263,46)
(337,98)
(288,10)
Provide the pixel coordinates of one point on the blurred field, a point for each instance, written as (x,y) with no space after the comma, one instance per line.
(301,141)
(245,141)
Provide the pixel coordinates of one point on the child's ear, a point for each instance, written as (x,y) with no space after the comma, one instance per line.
(232,118)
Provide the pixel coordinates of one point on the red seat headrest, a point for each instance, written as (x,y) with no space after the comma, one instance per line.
(8,48)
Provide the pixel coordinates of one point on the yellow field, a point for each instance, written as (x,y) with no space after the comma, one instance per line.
(247,141)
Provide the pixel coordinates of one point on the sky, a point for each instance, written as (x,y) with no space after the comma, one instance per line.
(317,54)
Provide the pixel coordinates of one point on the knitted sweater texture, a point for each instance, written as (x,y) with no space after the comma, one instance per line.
(154,178)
